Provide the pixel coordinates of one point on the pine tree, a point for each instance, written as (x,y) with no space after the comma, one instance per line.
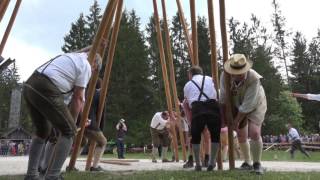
(130,89)
(93,20)
(301,67)
(78,36)
(204,45)
(306,67)
(181,57)
(9,79)
(282,49)
(155,65)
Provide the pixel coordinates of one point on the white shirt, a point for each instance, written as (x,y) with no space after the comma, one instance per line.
(191,92)
(67,71)
(293,134)
(315,97)
(158,122)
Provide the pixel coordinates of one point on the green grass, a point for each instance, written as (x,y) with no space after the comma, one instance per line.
(220,175)
(175,175)
(266,156)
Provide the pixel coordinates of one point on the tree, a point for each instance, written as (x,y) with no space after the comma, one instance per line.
(181,57)
(302,67)
(130,90)
(282,49)
(288,110)
(93,20)
(305,69)
(9,79)
(204,45)
(155,65)
(78,37)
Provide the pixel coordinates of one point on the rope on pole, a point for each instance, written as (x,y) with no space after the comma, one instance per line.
(214,66)
(185,31)
(194,32)
(107,73)
(173,80)
(91,89)
(228,112)
(10,24)
(165,77)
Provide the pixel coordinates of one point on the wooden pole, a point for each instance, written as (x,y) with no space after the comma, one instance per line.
(106,76)
(185,31)
(9,27)
(214,66)
(3,7)
(165,77)
(91,89)
(194,32)
(228,112)
(173,80)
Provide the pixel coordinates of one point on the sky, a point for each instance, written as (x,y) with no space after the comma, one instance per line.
(39,28)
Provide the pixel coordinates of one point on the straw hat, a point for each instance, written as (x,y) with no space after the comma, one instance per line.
(237,64)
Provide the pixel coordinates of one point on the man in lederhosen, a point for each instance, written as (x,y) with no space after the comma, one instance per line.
(201,97)
(52,86)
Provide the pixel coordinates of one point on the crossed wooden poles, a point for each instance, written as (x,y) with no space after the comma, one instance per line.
(114,8)
(3,7)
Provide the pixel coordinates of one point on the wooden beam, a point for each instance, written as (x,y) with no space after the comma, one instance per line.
(107,73)
(185,31)
(91,89)
(214,64)
(194,32)
(173,81)
(228,113)
(165,77)
(9,27)
(3,7)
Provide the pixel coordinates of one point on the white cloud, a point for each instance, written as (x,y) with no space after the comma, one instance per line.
(27,57)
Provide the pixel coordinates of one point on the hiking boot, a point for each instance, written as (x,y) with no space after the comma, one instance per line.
(206,160)
(257,168)
(197,168)
(245,166)
(173,159)
(96,169)
(165,160)
(68,169)
(41,171)
(211,167)
(189,163)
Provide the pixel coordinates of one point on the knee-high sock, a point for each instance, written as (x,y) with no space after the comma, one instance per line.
(154,152)
(98,152)
(214,152)
(164,152)
(61,152)
(48,150)
(196,151)
(245,149)
(256,149)
(36,148)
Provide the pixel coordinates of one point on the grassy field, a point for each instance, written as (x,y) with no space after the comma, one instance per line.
(219,175)
(266,156)
(175,175)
